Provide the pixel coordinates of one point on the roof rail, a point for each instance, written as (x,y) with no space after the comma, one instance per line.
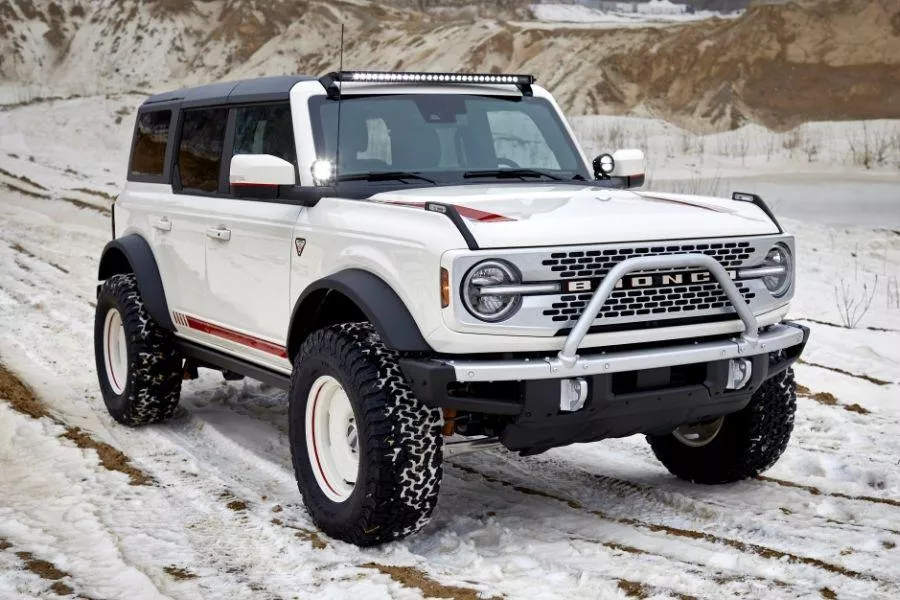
(329,81)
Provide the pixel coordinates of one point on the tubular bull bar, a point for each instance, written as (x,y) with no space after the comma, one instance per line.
(568,364)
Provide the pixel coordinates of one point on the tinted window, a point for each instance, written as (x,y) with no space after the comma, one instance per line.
(148,156)
(444,135)
(518,140)
(265,130)
(200,150)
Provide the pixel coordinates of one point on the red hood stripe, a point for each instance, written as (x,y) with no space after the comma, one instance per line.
(684,202)
(473,214)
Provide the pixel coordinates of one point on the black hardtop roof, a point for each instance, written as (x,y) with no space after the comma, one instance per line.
(261,89)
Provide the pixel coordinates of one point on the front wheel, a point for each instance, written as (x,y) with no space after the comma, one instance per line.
(366,453)
(736,446)
(138,364)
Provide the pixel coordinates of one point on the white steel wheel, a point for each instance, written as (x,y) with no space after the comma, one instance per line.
(115,351)
(332,438)
(697,435)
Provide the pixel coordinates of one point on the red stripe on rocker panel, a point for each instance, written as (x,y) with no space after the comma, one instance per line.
(237,337)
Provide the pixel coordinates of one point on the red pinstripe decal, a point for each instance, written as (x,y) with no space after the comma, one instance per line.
(237,337)
(480,215)
(315,446)
(473,214)
(684,202)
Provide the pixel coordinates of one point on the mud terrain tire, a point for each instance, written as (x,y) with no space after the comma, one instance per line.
(749,441)
(399,443)
(147,385)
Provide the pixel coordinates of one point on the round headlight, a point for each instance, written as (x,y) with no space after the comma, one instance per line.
(779,257)
(476,290)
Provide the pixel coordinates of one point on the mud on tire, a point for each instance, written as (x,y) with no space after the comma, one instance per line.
(749,441)
(151,385)
(399,438)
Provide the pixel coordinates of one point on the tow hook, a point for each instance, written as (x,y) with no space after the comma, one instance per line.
(573,394)
(739,372)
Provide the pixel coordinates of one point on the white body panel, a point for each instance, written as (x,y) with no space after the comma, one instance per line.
(565,214)
(250,282)
(248,276)
(173,225)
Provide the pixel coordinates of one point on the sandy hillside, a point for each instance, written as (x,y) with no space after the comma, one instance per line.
(778,65)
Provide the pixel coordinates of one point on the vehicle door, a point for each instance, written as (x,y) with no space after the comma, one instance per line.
(177,225)
(249,249)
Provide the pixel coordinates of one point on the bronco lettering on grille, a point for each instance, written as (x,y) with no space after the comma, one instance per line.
(651,280)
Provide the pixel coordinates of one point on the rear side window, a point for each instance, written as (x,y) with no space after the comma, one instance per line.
(265,129)
(200,149)
(148,157)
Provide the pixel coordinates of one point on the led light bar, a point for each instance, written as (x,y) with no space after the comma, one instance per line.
(424,77)
(329,81)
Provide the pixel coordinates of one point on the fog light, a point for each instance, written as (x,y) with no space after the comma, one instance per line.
(573,394)
(739,371)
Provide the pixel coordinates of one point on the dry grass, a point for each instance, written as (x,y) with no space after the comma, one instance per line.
(42,568)
(111,458)
(22,399)
(179,573)
(414,578)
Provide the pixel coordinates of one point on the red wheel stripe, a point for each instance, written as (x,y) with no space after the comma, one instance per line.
(112,372)
(315,446)
(236,336)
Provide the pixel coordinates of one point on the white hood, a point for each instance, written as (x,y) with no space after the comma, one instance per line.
(517,215)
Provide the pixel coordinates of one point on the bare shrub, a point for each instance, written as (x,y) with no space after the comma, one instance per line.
(610,138)
(769,146)
(792,141)
(893,293)
(811,146)
(853,303)
(872,148)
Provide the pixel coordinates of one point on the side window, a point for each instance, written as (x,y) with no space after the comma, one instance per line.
(265,129)
(150,138)
(200,148)
(518,138)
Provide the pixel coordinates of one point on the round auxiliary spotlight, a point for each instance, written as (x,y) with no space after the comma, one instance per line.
(604,165)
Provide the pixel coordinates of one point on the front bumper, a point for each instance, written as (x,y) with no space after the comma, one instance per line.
(438,381)
(652,389)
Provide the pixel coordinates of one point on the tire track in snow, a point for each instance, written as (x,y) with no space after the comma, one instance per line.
(744,547)
(816,491)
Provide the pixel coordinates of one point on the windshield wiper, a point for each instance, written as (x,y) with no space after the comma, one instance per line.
(503,173)
(383,176)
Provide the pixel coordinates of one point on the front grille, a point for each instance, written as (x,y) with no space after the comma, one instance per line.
(669,300)
(682,299)
(596,263)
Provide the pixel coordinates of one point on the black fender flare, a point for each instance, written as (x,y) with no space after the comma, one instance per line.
(132,254)
(373,296)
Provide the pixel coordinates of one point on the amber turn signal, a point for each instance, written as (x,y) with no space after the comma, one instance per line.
(445,288)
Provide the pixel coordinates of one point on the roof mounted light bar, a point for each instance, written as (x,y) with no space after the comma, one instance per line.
(523,82)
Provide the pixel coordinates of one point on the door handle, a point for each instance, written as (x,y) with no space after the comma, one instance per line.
(219,233)
(163,224)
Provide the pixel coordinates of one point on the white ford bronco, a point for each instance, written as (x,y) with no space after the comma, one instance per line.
(430,265)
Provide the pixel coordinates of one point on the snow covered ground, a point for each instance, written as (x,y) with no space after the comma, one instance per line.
(656,12)
(221,516)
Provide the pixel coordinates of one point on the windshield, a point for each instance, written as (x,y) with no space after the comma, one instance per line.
(446,138)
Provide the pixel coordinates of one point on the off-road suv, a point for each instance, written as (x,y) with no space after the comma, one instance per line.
(421,257)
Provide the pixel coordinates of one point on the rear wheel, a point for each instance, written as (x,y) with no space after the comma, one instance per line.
(138,365)
(736,446)
(366,452)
